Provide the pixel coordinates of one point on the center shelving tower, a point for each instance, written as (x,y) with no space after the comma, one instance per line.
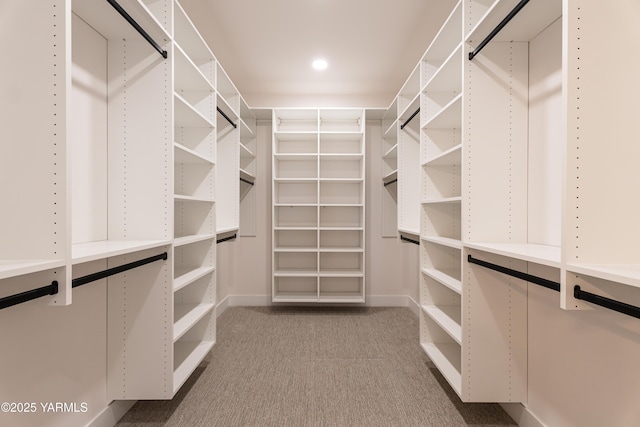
(318,205)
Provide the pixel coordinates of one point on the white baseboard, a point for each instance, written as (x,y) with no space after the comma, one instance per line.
(265,300)
(112,413)
(413,305)
(521,415)
(222,306)
(387,301)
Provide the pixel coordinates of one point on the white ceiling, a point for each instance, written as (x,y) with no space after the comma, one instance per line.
(267,46)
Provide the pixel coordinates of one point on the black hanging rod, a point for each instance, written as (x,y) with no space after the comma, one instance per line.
(11,300)
(499,27)
(611,304)
(138,28)
(406,239)
(391,182)
(247,181)
(409,119)
(520,275)
(115,270)
(235,126)
(224,239)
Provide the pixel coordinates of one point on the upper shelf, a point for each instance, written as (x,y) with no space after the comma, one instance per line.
(531,252)
(16,267)
(186,35)
(628,274)
(104,18)
(534,17)
(91,251)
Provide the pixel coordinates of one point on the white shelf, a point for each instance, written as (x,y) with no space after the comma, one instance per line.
(295,228)
(341,297)
(295,249)
(226,230)
(187,156)
(391,152)
(346,228)
(341,273)
(187,355)
(295,156)
(187,240)
(456,199)
(627,274)
(295,204)
(450,117)
(529,22)
(183,198)
(449,157)
(531,252)
(187,116)
(446,278)
(295,273)
(448,317)
(186,276)
(449,35)
(448,78)
(444,241)
(409,231)
(186,316)
(341,180)
(189,38)
(91,251)
(447,358)
(247,176)
(390,176)
(340,249)
(410,109)
(295,297)
(188,76)
(16,267)
(294,180)
(108,22)
(245,152)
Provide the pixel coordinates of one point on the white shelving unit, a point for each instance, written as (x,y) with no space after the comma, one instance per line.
(408,137)
(248,170)
(474,162)
(33,159)
(441,299)
(318,205)
(195,201)
(235,124)
(390,171)
(132,176)
(513,150)
(600,232)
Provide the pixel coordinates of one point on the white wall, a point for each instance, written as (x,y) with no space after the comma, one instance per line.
(55,354)
(583,365)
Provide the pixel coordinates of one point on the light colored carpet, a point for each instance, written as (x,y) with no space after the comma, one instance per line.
(316,366)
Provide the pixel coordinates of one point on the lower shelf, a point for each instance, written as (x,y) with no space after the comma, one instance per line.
(342,297)
(186,358)
(187,315)
(295,297)
(447,358)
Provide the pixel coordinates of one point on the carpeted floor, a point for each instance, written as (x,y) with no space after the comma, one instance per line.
(316,366)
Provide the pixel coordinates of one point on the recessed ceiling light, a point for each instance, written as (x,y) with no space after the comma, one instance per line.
(320,64)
